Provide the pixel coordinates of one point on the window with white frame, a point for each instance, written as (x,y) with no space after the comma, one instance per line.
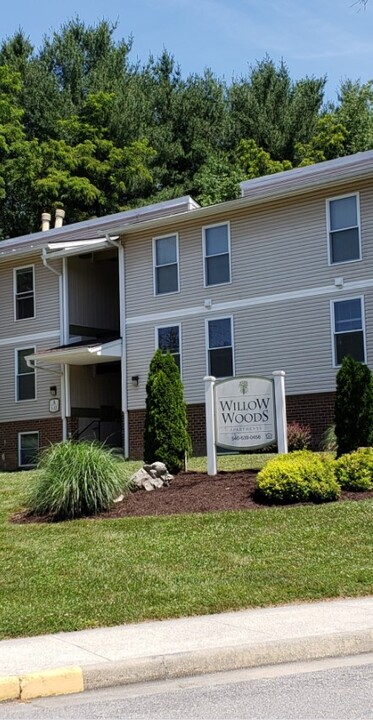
(348,330)
(220,347)
(344,229)
(216,247)
(25,376)
(166,264)
(168,340)
(24,293)
(28,449)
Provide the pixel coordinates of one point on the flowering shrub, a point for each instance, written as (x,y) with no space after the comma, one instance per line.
(299,436)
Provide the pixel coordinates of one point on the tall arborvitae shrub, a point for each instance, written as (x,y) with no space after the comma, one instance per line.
(165,437)
(353,406)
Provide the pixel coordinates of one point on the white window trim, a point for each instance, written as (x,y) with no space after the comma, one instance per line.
(207,346)
(23,267)
(16,351)
(334,333)
(154,241)
(207,227)
(161,327)
(329,230)
(20,434)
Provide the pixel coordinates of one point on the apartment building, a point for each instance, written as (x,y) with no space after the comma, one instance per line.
(281,278)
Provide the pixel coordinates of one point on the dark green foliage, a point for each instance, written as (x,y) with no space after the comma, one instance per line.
(299,477)
(76,479)
(353,406)
(355,470)
(87,130)
(165,437)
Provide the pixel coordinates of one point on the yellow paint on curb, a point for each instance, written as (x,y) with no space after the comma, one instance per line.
(62,681)
(9,688)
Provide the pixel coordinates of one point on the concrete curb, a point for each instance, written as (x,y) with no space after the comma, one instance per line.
(59,681)
(74,679)
(220,659)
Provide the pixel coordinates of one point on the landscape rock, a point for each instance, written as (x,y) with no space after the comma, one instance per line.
(156,469)
(151,476)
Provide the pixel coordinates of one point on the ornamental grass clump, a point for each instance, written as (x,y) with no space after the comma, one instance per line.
(75,480)
(301,476)
(355,470)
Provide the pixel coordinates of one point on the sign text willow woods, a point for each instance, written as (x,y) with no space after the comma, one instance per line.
(245,413)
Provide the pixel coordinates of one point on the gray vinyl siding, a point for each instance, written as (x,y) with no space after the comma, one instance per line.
(292,335)
(89,390)
(93,291)
(47,309)
(277,247)
(28,409)
(13,333)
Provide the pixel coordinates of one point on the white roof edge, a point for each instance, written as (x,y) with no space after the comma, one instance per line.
(309,174)
(277,188)
(254,192)
(89,354)
(104,224)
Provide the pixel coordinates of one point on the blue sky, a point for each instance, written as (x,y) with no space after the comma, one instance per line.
(331,37)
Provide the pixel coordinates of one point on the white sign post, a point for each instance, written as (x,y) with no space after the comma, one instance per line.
(245,413)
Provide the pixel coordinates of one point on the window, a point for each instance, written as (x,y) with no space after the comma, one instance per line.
(28,449)
(216,254)
(24,293)
(220,347)
(25,379)
(168,340)
(348,330)
(166,265)
(344,229)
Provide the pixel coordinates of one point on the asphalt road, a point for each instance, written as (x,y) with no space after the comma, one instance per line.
(333,688)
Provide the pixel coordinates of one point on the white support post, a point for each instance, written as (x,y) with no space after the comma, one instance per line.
(210,424)
(281,423)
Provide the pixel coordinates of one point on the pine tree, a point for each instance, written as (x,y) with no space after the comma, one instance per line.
(353,406)
(165,437)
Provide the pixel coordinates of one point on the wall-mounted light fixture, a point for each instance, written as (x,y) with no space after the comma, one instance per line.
(53,390)
(135,380)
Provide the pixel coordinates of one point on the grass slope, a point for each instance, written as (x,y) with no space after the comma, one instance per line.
(88,573)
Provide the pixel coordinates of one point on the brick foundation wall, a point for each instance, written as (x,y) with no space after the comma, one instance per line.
(136,420)
(50,431)
(316,410)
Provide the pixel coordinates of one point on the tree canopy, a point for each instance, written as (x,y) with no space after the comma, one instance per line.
(83,128)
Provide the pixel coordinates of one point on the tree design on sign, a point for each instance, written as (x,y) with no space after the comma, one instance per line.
(244,386)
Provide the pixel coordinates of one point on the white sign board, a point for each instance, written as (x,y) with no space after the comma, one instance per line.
(245,413)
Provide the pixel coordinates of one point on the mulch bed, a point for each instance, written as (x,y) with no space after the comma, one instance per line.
(192,492)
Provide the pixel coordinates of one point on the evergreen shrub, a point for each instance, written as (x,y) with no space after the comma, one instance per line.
(355,470)
(75,480)
(166,437)
(353,406)
(301,476)
(299,436)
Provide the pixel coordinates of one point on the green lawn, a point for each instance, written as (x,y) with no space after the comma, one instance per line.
(87,573)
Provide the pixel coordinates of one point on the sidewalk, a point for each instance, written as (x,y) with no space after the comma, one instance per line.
(76,661)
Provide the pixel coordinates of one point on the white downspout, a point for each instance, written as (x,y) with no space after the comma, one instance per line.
(122,322)
(64,334)
(123,328)
(65,340)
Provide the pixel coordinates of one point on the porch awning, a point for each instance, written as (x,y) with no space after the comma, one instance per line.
(90,354)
